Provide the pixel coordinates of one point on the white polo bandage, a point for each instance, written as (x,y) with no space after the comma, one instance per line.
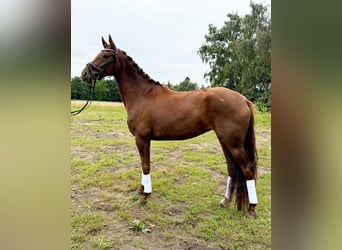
(146,182)
(252,196)
(228,189)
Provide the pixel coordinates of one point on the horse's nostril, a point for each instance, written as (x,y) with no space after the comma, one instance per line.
(84,74)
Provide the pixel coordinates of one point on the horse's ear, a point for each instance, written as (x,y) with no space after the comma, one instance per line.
(105,44)
(112,45)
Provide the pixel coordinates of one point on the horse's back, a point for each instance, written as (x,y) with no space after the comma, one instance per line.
(217,102)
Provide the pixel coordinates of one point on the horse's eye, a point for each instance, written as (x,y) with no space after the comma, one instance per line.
(105,56)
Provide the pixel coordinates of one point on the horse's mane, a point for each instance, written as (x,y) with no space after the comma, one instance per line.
(139,70)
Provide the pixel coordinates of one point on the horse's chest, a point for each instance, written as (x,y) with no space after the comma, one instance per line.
(138,125)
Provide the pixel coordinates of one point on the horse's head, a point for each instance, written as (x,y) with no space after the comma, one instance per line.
(103,63)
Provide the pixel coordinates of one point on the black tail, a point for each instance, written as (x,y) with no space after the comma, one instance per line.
(249,144)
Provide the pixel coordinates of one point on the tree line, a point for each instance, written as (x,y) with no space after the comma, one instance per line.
(238,54)
(107,89)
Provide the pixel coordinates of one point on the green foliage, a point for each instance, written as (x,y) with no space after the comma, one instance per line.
(185,85)
(79,89)
(262,107)
(239,54)
(105,90)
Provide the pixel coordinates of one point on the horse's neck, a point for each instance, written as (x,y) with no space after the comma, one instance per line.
(132,85)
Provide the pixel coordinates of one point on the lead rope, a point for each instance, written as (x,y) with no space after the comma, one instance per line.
(90,97)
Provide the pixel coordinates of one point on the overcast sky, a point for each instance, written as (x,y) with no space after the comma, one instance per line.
(162,36)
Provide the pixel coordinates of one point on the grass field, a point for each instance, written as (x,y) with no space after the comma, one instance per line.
(189,179)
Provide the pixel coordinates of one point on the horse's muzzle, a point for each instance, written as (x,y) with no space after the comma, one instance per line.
(85,76)
(88,76)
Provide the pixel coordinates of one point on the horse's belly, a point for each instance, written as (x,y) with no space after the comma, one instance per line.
(178,137)
(179,131)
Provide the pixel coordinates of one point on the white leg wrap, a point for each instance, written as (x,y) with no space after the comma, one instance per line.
(146,182)
(252,197)
(228,190)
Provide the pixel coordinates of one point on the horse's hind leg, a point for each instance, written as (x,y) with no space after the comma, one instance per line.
(240,156)
(226,201)
(241,175)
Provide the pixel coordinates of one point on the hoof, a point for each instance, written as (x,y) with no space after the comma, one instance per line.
(251,215)
(224,203)
(143,198)
(140,190)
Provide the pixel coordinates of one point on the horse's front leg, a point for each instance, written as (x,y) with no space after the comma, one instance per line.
(145,189)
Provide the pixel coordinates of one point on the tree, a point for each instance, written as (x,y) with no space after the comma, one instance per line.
(105,90)
(239,54)
(185,85)
(79,89)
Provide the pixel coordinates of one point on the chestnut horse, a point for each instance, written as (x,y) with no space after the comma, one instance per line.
(156,113)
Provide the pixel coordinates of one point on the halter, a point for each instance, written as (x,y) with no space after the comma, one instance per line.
(98,71)
(94,78)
